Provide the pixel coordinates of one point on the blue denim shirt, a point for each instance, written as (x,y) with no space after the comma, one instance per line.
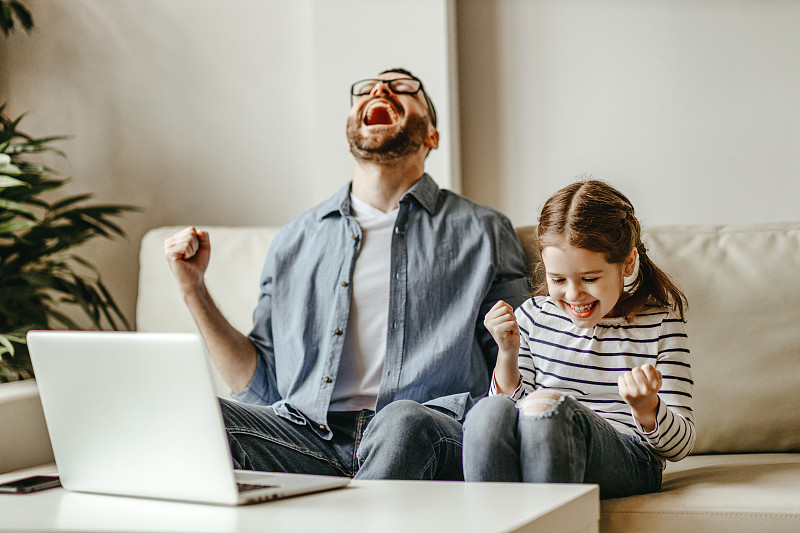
(451,261)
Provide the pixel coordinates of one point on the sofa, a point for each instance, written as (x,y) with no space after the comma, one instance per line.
(743,321)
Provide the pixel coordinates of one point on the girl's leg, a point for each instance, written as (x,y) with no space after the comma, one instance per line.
(491,445)
(562,441)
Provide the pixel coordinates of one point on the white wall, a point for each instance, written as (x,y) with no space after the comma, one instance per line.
(691,108)
(233,112)
(354,39)
(215,113)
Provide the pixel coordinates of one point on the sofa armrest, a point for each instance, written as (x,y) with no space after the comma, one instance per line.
(25,440)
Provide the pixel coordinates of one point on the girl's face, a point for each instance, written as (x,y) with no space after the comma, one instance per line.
(583,284)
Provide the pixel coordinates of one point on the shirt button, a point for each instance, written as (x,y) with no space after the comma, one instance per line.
(344,284)
(326,379)
(322,427)
(337,331)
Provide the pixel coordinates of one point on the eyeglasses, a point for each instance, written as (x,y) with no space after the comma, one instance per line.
(409,86)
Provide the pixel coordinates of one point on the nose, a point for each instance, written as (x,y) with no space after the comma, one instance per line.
(573,291)
(382,87)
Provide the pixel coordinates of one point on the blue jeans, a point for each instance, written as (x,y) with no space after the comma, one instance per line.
(566,443)
(405,440)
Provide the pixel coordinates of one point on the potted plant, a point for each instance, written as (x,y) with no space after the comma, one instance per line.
(40,272)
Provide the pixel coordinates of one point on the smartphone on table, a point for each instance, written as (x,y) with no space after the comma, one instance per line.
(30,484)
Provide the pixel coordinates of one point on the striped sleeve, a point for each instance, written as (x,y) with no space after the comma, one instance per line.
(674,436)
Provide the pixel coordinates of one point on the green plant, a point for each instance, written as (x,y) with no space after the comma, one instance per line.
(39,273)
(11,9)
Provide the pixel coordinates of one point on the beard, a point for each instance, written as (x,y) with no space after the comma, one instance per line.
(386,146)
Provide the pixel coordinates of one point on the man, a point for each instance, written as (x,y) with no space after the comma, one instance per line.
(368,345)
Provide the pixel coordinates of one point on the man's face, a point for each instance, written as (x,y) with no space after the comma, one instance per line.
(383,125)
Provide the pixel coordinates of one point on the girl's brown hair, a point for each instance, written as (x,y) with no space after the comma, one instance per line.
(593,215)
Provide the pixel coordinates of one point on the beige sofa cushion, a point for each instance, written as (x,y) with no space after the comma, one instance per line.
(746,492)
(743,287)
(237,256)
(742,282)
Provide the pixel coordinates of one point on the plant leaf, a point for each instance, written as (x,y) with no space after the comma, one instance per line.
(7,346)
(7,182)
(14,206)
(16,225)
(23,15)
(39,278)
(6,22)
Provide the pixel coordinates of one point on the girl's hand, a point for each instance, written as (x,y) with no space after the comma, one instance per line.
(502,324)
(639,388)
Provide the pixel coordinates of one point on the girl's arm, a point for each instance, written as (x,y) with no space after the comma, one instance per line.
(670,430)
(502,324)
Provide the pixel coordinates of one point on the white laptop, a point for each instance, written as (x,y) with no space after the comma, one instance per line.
(135,414)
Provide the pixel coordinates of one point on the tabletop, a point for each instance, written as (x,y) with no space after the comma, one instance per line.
(386,506)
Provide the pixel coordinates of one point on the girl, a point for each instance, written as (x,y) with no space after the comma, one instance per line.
(592,382)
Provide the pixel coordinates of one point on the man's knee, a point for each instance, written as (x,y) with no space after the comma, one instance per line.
(403,409)
(398,419)
(405,424)
(407,440)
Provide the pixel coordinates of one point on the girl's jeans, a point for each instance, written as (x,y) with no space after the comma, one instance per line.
(566,443)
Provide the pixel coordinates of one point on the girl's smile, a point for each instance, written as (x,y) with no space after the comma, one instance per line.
(582,311)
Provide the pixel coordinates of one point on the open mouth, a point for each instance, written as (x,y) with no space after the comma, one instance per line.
(584,310)
(380,113)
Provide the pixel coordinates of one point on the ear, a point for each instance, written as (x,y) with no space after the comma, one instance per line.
(432,139)
(629,265)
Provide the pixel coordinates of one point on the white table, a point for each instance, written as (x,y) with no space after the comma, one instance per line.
(384,506)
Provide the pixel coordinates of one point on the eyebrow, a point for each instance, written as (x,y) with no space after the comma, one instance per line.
(587,273)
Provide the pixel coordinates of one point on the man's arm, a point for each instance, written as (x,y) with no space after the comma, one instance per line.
(188,253)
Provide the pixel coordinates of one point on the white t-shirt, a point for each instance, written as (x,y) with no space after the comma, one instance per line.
(364,350)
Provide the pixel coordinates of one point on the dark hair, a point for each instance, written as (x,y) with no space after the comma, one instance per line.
(593,215)
(428,101)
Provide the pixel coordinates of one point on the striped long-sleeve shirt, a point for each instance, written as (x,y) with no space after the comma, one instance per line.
(587,363)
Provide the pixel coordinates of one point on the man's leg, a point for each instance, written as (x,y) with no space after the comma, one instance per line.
(407,440)
(261,440)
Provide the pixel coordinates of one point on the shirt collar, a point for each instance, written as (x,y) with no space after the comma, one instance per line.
(339,203)
(425,191)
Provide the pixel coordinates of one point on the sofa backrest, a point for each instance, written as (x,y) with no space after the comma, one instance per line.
(742,283)
(237,255)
